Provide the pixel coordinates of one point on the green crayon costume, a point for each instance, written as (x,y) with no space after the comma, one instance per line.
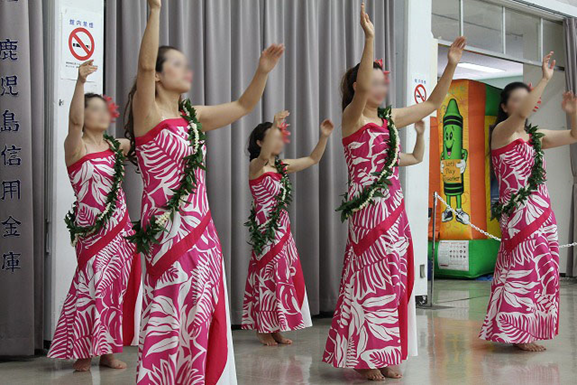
(454,185)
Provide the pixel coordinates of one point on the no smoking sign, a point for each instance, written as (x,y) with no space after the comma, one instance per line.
(81,44)
(420,93)
(81,40)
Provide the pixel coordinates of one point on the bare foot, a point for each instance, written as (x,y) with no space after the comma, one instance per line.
(532,347)
(391,373)
(82,364)
(371,374)
(108,360)
(266,339)
(281,339)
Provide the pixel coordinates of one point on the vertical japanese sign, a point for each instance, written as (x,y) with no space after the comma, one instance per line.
(16,199)
(81,33)
(11,143)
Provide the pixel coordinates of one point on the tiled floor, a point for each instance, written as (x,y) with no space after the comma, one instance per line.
(450,352)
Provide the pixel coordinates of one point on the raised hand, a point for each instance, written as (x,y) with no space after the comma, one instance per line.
(86,69)
(569,103)
(270,57)
(456,50)
(548,66)
(366,23)
(420,127)
(280,117)
(327,127)
(154,4)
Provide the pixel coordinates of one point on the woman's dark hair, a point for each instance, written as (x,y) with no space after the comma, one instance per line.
(128,116)
(349,79)
(257,134)
(505,95)
(92,95)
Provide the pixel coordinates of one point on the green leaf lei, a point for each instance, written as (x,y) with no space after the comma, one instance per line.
(365,197)
(76,231)
(261,235)
(145,237)
(537,178)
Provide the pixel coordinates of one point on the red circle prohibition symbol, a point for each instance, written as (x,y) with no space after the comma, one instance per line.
(420,93)
(74,37)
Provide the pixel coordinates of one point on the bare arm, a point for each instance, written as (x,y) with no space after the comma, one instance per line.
(504,132)
(257,165)
(124,145)
(213,117)
(557,138)
(73,144)
(143,101)
(299,164)
(412,114)
(354,111)
(416,156)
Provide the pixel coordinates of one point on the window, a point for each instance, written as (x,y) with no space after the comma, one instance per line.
(446,19)
(483,25)
(553,40)
(498,30)
(522,35)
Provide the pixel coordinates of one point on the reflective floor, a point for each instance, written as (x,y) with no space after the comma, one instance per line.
(450,352)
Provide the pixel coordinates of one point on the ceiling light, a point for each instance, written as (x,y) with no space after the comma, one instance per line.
(477,67)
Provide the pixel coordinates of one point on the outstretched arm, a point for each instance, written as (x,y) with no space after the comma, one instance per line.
(354,111)
(143,101)
(416,156)
(73,145)
(504,131)
(257,165)
(213,117)
(412,114)
(557,138)
(295,165)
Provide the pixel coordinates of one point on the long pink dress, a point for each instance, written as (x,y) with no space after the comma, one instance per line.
(185,333)
(275,298)
(524,303)
(371,327)
(90,323)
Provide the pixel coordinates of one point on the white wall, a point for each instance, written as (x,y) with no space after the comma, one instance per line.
(559,176)
(61,259)
(420,59)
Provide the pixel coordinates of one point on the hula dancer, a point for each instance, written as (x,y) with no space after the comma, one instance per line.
(373,327)
(524,303)
(90,324)
(275,297)
(185,336)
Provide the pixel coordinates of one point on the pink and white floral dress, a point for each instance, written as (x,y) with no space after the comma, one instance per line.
(373,325)
(90,323)
(524,303)
(185,336)
(275,298)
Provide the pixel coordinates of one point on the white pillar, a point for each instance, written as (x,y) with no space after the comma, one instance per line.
(61,258)
(420,65)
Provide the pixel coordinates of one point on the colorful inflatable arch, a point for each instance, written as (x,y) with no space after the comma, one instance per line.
(460,173)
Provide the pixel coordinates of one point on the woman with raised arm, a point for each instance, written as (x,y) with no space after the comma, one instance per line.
(373,325)
(90,324)
(185,336)
(524,303)
(275,297)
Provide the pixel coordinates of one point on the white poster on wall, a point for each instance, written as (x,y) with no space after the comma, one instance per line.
(81,40)
(453,255)
(420,88)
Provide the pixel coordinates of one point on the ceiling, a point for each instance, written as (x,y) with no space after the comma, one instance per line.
(509,68)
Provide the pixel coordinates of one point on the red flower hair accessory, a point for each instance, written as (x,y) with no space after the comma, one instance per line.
(283,127)
(386,73)
(112,107)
